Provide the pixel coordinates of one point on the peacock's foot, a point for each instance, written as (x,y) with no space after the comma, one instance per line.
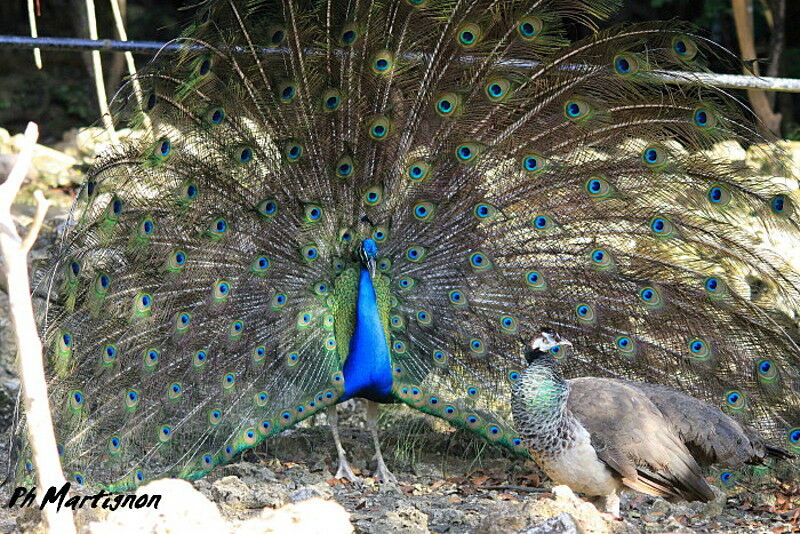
(383,475)
(346,473)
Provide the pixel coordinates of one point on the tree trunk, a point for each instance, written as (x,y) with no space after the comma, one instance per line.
(743,17)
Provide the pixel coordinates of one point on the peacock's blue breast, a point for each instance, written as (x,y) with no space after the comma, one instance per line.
(368,368)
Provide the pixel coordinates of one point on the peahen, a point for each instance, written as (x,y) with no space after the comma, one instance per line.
(603,435)
(379,200)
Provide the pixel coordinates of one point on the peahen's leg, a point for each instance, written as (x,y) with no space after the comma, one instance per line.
(344,470)
(381,473)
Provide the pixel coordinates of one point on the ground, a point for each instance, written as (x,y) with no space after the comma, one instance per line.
(448,482)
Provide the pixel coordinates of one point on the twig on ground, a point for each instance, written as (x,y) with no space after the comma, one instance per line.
(521,489)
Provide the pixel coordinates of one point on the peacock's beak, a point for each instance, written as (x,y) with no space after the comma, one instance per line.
(372,268)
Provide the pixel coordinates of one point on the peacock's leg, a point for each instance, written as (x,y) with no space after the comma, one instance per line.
(382,473)
(344,470)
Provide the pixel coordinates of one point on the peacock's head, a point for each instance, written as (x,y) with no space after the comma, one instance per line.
(367,254)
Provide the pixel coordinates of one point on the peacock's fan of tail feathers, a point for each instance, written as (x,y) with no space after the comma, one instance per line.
(204,293)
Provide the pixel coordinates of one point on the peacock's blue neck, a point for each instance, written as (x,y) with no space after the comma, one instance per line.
(367,369)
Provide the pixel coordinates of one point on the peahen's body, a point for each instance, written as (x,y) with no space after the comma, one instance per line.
(378,199)
(600,436)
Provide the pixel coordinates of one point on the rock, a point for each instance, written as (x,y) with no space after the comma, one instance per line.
(502,522)
(584,512)
(5,140)
(432,472)
(315,516)
(54,167)
(182,509)
(714,508)
(251,473)
(92,141)
(561,524)
(404,519)
(761,499)
(317,491)
(582,515)
(232,492)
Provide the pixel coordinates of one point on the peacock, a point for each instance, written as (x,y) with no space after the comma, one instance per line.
(602,435)
(327,199)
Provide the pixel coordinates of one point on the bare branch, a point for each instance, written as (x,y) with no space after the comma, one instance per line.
(29,357)
(42,204)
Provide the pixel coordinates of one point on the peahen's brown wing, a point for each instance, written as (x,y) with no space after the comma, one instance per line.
(633,438)
(712,436)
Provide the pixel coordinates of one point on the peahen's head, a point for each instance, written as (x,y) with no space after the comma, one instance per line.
(367,254)
(545,348)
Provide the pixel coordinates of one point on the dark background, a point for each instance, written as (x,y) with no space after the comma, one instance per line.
(62,95)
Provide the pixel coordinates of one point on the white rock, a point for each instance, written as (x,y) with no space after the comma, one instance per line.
(314,516)
(182,509)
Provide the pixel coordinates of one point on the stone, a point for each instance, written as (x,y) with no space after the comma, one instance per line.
(182,509)
(314,516)
(561,524)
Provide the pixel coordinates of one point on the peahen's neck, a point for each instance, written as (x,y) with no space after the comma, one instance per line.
(368,368)
(539,404)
